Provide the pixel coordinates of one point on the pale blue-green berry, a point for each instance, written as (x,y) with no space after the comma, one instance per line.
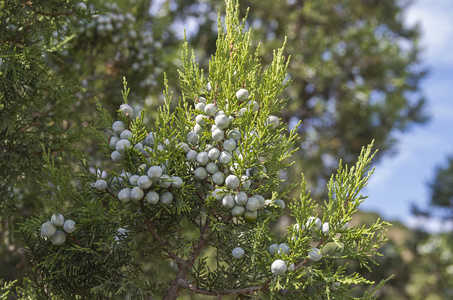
(201,119)
(228,201)
(69,226)
(291,267)
(127,110)
(139,147)
(211,168)
(225,157)
(241,198)
(200,106)
(126,134)
(192,156)
(272,249)
(242,112)
(261,200)
(176,182)
(208,147)
(122,145)
(279,267)
(113,140)
(57,219)
(117,157)
(242,95)
(48,229)
(280,203)
(315,222)
(149,140)
(222,121)
(238,253)
(152,197)
(252,204)
(193,138)
(234,134)
(315,254)
(209,87)
(202,99)
(272,121)
(144,182)
(218,178)
(229,145)
(254,105)
(210,109)
(124,195)
(155,172)
(335,286)
(165,181)
(246,182)
(214,127)
(166,198)
(345,226)
(133,180)
(218,194)
(118,127)
(58,238)
(283,248)
(214,154)
(137,194)
(250,215)
(100,185)
(200,173)
(80,6)
(217,135)
(184,147)
(198,129)
(325,228)
(202,158)
(237,210)
(232,182)
(220,112)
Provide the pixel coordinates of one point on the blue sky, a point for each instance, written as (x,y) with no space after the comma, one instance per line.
(402,179)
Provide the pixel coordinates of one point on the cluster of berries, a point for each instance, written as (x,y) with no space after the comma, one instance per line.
(49,229)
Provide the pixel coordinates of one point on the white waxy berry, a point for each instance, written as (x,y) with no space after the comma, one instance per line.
(218,178)
(325,228)
(155,172)
(314,222)
(250,215)
(210,109)
(246,182)
(242,112)
(254,105)
(58,238)
(193,138)
(165,181)
(242,95)
(126,134)
(133,180)
(202,158)
(211,168)
(214,154)
(345,226)
(192,156)
(176,182)
(117,157)
(238,253)
(100,185)
(122,145)
(209,87)
(222,121)
(57,219)
(200,173)
(184,147)
(228,201)
(220,112)
(69,226)
(48,229)
(272,249)
(124,195)
(198,129)
(279,267)
(252,204)
(232,182)
(137,194)
(118,127)
(202,99)
(80,6)
(229,145)
(234,134)
(261,200)
(127,110)
(272,121)
(152,197)
(113,140)
(200,106)
(166,198)
(149,140)
(315,254)
(214,127)
(217,135)
(144,182)
(237,210)
(283,248)
(280,203)
(241,198)
(201,119)
(225,157)
(291,267)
